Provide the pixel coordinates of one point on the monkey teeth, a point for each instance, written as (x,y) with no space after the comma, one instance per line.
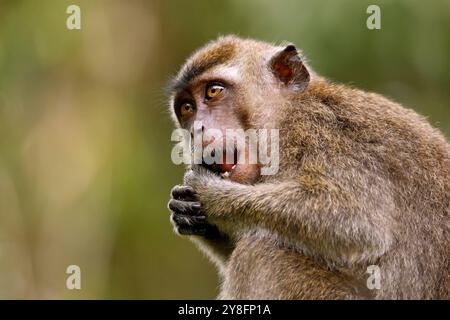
(225,174)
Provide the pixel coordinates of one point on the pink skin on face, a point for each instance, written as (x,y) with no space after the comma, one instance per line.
(243,172)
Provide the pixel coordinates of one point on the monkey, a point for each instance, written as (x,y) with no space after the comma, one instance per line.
(362,181)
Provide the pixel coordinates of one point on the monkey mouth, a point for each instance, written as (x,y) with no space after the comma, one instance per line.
(224,169)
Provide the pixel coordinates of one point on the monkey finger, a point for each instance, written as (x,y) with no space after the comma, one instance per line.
(206,230)
(194,225)
(185,207)
(182,192)
(187,220)
(189,225)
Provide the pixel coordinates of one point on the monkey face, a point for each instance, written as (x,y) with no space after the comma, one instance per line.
(227,87)
(210,108)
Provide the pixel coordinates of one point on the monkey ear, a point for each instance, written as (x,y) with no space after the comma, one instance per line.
(288,67)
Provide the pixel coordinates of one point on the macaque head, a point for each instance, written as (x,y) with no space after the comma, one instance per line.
(235,84)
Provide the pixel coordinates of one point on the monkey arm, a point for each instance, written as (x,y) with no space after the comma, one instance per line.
(339,224)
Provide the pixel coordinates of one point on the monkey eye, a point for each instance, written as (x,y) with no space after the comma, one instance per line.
(186,110)
(213,90)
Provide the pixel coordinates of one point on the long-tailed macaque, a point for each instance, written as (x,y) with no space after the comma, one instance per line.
(362,181)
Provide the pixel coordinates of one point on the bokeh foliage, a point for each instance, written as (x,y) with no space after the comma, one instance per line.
(85,168)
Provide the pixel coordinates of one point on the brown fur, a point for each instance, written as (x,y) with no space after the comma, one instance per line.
(362,181)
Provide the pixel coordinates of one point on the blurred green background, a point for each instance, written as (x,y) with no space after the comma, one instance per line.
(85,168)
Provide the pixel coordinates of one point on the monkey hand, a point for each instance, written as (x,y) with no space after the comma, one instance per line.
(210,189)
(187,216)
